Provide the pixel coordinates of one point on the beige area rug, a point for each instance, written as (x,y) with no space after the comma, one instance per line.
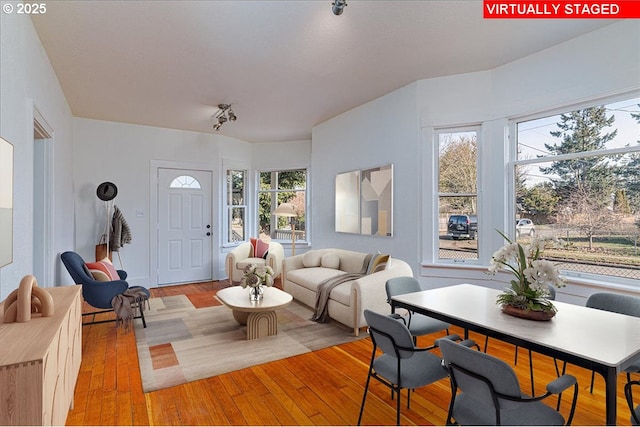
(183,343)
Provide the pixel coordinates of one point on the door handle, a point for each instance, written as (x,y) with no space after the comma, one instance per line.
(208,233)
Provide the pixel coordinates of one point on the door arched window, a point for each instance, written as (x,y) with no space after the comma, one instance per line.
(185,181)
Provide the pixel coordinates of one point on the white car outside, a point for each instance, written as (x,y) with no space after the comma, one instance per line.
(525,227)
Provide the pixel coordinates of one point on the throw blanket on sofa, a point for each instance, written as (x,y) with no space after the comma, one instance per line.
(321,314)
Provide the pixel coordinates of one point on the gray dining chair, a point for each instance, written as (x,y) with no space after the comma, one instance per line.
(617,303)
(633,408)
(485,391)
(401,365)
(418,324)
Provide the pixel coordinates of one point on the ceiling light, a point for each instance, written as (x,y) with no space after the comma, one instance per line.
(338,6)
(224,114)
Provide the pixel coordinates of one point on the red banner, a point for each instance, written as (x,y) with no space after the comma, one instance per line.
(621,9)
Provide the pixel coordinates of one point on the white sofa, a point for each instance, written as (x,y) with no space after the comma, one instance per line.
(241,256)
(301,275)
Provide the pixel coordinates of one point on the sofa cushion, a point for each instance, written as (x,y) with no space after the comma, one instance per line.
(242,264)
(312,259)
(330,261)
(311,277)
(342,293)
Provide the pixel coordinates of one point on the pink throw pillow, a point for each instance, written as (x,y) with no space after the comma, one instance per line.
(260,248)
(103,271)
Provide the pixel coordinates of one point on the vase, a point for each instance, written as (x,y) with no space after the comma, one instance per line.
(528,314)
(256,293)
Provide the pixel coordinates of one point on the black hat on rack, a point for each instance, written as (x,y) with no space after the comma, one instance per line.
(107,191)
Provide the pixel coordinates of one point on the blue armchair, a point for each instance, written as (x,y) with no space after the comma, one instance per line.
(99,294)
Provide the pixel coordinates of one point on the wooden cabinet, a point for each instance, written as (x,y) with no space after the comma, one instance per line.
(40,361)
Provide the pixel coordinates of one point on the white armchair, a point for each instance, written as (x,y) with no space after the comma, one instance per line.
(241,256)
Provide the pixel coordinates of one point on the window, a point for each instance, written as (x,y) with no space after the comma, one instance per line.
(185,181)
(577,178)
(458,194)
(276,187)
(236,208)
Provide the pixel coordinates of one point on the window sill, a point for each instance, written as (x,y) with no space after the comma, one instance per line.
(458,265)
(589,283)
(604,283)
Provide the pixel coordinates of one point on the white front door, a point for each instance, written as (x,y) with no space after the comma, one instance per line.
(184,226)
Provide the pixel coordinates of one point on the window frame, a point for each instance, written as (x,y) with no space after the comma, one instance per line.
(226,207)
(477,128)
(513,161)
(258,191)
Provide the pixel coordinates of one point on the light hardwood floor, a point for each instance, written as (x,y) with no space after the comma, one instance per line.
(320,388)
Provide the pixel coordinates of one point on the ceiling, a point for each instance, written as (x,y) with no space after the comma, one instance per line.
(284,65)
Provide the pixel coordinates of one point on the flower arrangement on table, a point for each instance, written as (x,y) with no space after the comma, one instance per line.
(255,277)
(529,291)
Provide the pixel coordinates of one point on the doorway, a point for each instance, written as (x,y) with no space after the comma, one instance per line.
(185,232)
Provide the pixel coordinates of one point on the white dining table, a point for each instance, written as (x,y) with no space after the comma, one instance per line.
(597,340)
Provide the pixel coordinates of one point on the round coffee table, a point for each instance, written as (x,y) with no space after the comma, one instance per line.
(259,316)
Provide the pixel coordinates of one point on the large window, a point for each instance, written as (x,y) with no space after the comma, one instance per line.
(276,187)
(236,206)
(577,178)
(458,194)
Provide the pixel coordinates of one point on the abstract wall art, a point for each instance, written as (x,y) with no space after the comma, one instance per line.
(376,201)
(348,202)
(364,201)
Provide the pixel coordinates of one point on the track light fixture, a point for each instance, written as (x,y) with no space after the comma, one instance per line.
(338,6)
(224,114)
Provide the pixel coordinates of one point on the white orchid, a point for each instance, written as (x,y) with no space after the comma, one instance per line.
(502,256)
(541,274)
(533,275)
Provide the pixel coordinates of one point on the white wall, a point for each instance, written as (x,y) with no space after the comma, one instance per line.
(28,82)
(128,155)
(383,131)
(398,127)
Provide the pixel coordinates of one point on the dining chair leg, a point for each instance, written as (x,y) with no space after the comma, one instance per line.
(398,408)
(364,397)
(533,389)
(559,374)
(630,391)
(366,385)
